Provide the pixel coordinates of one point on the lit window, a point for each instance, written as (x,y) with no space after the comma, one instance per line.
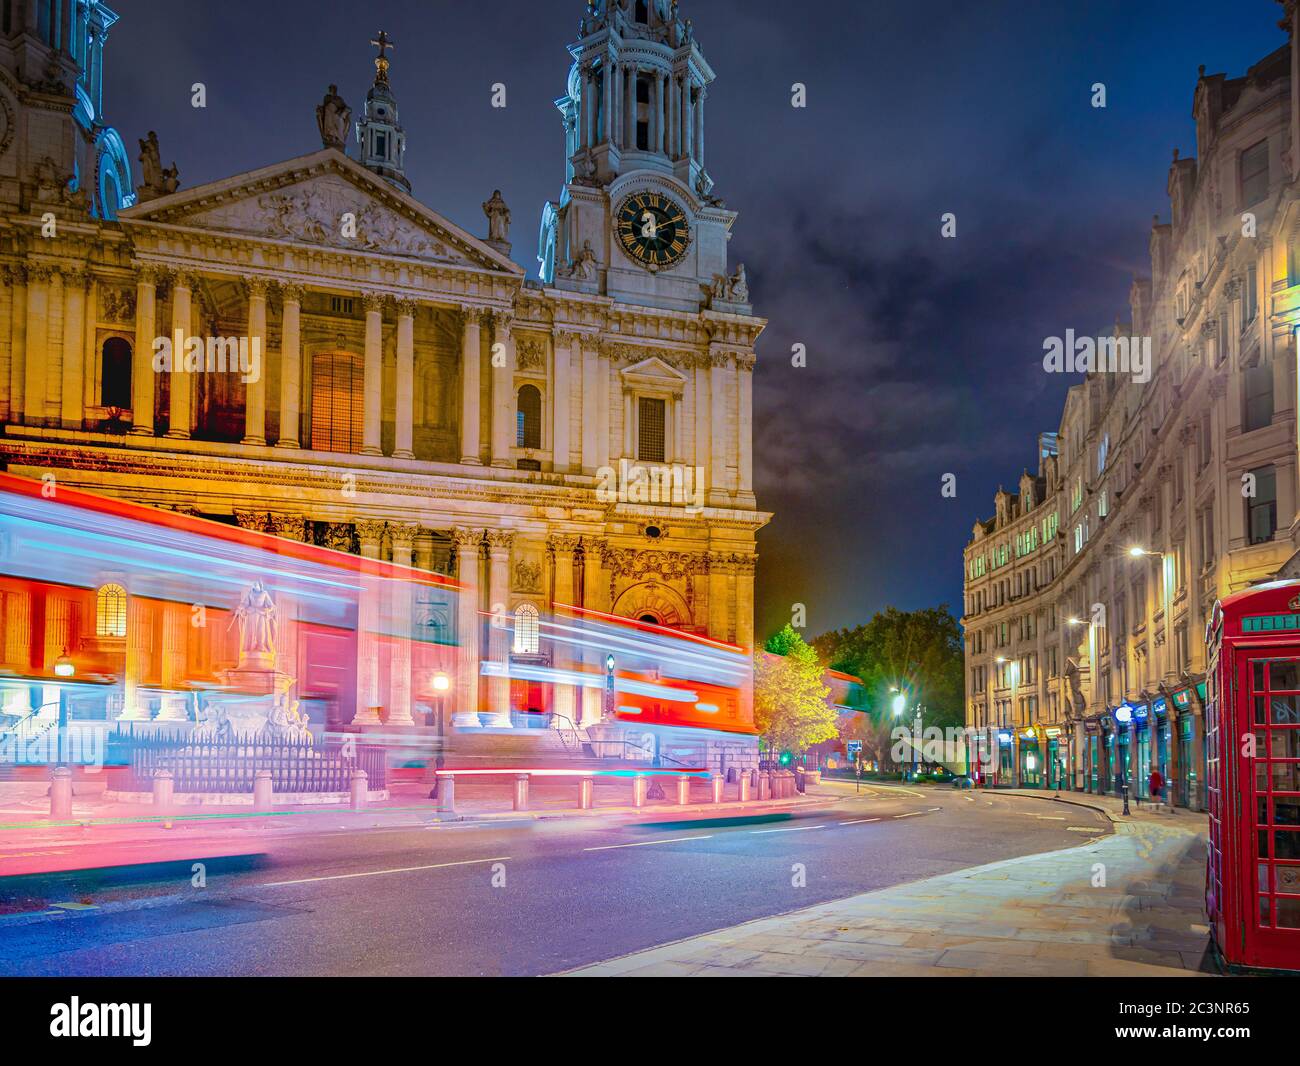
(115,373)
(338,402)
(528,425)
(110,611)
(650,429)
(527,630)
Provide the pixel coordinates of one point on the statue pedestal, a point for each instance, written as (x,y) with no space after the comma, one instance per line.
(253,696)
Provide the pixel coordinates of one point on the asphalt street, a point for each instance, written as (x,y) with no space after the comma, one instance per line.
(503,898)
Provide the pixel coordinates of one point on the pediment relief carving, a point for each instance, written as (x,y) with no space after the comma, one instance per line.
(653,373)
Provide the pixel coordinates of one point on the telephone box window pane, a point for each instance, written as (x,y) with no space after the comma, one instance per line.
(1288,913)
(1288,879)
(1259,677)
(1262,840)
(1261,776)
(1286,776)
(1286,811)
(1263,910)
(1262,868)
(1262,810)
(1286,845)
(1286,710)
(1286,744)
(1284,674)
(1261,710)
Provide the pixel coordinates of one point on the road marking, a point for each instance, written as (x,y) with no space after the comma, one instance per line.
(859,821)
(1081,829)
(1050,817)
(792,829)
(909,814)
(645,843)
(380,873)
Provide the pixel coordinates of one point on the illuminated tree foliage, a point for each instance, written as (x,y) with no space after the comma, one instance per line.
(791,710)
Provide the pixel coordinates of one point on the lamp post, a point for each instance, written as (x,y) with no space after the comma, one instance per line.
(609,686)
(1124,715)
(441,683)
(898,704)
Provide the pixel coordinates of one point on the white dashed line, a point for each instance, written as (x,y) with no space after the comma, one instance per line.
(380,873)
(859,821)
(647,843)
(792,829)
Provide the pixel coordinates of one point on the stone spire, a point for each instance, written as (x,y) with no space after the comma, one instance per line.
(380,136)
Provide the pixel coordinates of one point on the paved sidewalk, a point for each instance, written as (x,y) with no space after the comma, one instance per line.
(1037,916)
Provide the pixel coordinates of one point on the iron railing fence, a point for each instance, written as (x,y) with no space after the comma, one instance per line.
(231,766)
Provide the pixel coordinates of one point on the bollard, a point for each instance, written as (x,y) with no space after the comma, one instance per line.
(746,783)
(262,790)
(718,782)
(587,793)
(683,790)
(162,789)
(360,788)
(764,786)
(640,786)
(61,793)
(447,793)
(521,792)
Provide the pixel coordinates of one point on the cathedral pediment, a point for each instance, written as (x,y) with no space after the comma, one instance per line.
(324,199)
(653,373)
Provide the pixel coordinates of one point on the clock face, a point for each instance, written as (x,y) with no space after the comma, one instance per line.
(653,230)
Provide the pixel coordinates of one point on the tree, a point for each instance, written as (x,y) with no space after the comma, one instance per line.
(918,651)
(791,710)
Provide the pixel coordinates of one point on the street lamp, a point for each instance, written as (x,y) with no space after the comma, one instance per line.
(441,683)
(609,686)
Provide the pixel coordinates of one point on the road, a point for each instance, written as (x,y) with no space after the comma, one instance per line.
(506,898)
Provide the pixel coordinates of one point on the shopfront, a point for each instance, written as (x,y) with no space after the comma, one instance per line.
(1031,760)
(1006,759)
(1140,784)
(1093,750)
(1057,766)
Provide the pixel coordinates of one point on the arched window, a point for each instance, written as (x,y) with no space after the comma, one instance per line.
(527,630)
(115,373)
(110,611)
(338,402)
(529,418)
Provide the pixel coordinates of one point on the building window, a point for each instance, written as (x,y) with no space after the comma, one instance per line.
(1254,174)
(110,611)
(338,402)
(1250,297)
(342,305)
(528,418)
(643,113)
(527,630)
(115,373)
(1261,509)
(650,429)
(1257,397)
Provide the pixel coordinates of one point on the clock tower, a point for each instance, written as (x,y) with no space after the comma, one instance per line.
(638,220)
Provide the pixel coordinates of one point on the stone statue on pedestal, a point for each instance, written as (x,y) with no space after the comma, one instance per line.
(333,119)
(256,616)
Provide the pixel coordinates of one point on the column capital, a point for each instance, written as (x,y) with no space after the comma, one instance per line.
(255,286)
(403,533)
(288,526)
(500,541)
(473,314)
(565,335)
(370,530)
(254,520)
(149,273)
(373,301)
(183,279)
(406,307)
(338,536)
(502,320)
(291,292)
(466,539)
(744,564)
(563,543)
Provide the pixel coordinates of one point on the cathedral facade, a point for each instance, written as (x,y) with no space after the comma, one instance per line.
(309,351)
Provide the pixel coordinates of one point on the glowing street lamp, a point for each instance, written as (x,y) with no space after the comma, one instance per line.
(899,704)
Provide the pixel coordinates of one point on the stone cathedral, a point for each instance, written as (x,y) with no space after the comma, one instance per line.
(368,375)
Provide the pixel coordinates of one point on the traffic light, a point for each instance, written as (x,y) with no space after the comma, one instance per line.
(785,758)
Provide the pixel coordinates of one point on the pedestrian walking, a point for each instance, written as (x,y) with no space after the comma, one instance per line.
(1157,783)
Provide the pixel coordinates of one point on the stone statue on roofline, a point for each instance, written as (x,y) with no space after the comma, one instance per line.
(333,119)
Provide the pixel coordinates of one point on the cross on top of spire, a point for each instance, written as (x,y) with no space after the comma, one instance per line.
(383,42)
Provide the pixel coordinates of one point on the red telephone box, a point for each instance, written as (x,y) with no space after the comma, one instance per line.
(1252,737)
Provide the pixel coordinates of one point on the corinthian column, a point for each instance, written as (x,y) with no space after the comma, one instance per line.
(255,391)
(503,400)
(563,547)
(369,613)
(374,374)
(179,418)
(471,358)
(469,547)
(40,281)
(560,406)
(72,393)
(402,629)
(146,297)
(290,365)
(403,430)
(499,543)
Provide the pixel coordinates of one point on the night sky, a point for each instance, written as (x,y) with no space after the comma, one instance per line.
(924,354)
